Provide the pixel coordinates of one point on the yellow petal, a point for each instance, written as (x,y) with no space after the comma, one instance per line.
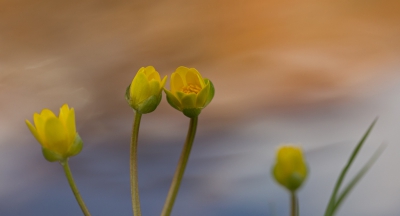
(192,78)
(67,118)
(181,70)
(33,131)
(64,111)
(56,136)
(176,82)
(141,70)
(140,89)
(154,87)
(148,70)
(201,80)
(46,113)
(290,154)
(199,76)
(152,74)
(202,96)
(70,125)
(39,122)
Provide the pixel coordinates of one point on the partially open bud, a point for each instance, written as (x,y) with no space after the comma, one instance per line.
(144,93)
(56,135)
(190,92)
(290,169)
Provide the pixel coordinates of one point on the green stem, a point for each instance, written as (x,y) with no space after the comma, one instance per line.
(133,166)
(75,190)
(294,204)
(176,181)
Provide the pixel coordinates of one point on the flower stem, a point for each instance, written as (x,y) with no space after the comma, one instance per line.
(75,190)
(294,204)
(134,167)
(176,181)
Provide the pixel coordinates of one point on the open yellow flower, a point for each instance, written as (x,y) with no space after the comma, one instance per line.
(144,93)
(290,169)
(190,92)
(57,135)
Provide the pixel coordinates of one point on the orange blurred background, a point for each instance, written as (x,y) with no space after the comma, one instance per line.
(309,72)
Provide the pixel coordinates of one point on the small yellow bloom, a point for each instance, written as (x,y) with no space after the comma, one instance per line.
(290,169)
(190,92)
(144,93)
(57,135)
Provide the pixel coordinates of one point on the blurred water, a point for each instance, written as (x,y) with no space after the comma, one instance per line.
(310,72)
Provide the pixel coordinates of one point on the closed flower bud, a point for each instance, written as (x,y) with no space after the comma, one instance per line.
(144,93)
(190,92)
(290,169)
(56,135)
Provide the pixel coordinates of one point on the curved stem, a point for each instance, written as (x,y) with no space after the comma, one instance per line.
(133,166)
(75,190)
(176,181)
(294,204)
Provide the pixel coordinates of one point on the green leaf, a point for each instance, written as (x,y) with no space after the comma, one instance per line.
(51,156)
(172,100)
(189,101)
(149,105)
(330,209)
(191,112)
(359,175)
(76,147)
(128,94)
(211,92)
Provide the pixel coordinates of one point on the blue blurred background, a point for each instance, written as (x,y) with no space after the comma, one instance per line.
(315,73)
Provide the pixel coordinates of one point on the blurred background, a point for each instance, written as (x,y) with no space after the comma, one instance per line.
(315,73)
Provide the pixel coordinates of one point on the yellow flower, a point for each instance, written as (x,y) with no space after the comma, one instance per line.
(144,93)
(190,92)
(290,169)
(57,135)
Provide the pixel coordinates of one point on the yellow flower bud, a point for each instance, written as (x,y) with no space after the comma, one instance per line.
(57,135)
(290,169)
(144,93)
(190,92)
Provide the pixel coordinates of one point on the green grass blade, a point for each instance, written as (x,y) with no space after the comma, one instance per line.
(331,204)
(359,175)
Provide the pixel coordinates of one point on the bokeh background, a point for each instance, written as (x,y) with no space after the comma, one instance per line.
(315,73)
